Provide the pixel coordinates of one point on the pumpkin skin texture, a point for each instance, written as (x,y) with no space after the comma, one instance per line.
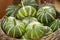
(13,27)
(10,10)
(46,14)
(28,2)
(36,30)
(25,12)
(47,30)
(55,25)
(27,20)
(25,37)
(31,3)
(33,30)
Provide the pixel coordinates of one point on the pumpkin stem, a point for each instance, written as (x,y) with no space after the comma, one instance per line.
(14,21)
(22,3)
(33,26)
(44,10)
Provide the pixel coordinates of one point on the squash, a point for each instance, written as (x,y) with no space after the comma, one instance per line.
(13,27)
(25,12)
(33,30)
(10,10)
(46,14)
(55,25)
(36,30)
(27,20)
(30,3)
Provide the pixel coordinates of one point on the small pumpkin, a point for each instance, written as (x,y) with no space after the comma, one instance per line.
(13,27)
(55,25)
(31,3)
(33,30)
(36,30)
(10,10)
(27,20)
(25,12)
(46,14)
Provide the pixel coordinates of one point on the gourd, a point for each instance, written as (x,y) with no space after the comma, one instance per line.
(46,14)
(10,10)
(36,30)
(13,27)
(31,3)
(28,20)
(55,25)
(25,12)
(33,30)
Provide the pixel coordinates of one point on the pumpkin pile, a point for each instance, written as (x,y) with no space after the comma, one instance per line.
(30,21)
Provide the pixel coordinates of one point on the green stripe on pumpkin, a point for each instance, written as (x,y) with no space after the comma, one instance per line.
(46,19)
(25,11)
(9,30)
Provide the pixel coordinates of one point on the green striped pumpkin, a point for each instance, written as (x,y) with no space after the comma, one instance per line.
(55,25)
(46,14)
(33,30)
(25,12)
(10,10)
(27,20)
(36,30)
(13,27)
(31,3)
